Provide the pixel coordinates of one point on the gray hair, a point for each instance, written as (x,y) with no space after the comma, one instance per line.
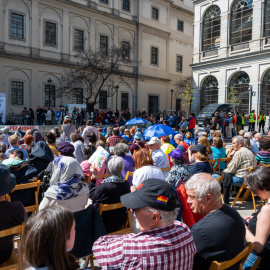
(203,184)
(167,217)
(212,131)
(122,129)
(248,135)
(116,165)
(239,139)
(178,137)
(121,149)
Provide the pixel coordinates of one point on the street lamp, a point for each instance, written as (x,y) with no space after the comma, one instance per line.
(250,97)
(171,97)
(49,87)
(116,88)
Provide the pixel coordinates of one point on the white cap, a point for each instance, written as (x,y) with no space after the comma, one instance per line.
(154,140)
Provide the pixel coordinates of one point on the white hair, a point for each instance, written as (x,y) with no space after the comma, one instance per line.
(248,135)
(116,165)
(240,139)
(203,184)
(167,217)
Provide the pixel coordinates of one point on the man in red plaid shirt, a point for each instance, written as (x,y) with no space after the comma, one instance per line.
(163,242)
(115,138)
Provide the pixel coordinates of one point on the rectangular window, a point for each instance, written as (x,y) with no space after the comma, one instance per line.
(17,26)
(154,13)
(104,45)
(78,40)
(104,1)
(50,33)
(16,93)
(125,50)
(178,105)
(180,26)
(154,56)
(103,100)
(124,101)
(49,95)
(126,5)
(153,105)
(78,96)
(179,63)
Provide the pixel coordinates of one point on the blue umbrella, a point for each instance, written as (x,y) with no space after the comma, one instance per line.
(158,131)
(135,121)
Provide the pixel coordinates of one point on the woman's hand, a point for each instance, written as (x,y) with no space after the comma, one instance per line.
(248,218)
(94,171)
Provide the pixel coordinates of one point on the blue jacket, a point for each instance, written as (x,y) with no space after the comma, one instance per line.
(25,154)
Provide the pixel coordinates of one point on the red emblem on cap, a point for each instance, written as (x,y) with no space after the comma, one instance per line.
(140,186)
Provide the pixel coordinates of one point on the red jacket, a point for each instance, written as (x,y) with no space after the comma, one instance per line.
(192,122)
(234,119)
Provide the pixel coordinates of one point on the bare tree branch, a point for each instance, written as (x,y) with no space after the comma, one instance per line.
(95,72)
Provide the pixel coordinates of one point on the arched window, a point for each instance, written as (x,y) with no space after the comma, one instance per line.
(209,91)
(265,93)
(241,21)
(211,29)
(239,84)
(267,18)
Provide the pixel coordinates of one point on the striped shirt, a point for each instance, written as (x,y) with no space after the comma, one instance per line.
(170,247)
(241,162)
(263,157)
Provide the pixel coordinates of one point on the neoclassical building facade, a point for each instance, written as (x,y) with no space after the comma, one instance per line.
(232,53)
(39,40)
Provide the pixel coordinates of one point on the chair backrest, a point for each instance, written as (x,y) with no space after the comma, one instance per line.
(227,160)
(220,178)
(127,226)
(129,174)
(166,169)
(230,151)
(32,208)
(14,262)
(240,258)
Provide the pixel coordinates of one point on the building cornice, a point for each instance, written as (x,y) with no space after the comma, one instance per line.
(231,58)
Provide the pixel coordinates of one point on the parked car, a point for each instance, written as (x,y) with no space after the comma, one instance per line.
(205,115)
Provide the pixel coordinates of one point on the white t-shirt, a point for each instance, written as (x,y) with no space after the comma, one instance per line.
(147,172)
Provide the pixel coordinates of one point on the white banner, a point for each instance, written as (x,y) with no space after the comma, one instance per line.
(15,128)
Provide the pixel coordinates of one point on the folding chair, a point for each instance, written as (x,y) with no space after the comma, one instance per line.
(100,176)
(246,194)
(126,227)
(14,262)
(32,208)
(227,160)
(219,179)
(240,258)
(213,162)
(128,175)
(166,169)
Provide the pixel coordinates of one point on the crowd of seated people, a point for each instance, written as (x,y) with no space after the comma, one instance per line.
(165,170)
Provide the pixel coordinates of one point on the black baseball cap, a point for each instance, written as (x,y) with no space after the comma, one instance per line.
(199,148)
(153,193)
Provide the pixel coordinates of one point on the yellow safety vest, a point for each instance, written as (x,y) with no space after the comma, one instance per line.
(243,120)
(261,117)
(251,118)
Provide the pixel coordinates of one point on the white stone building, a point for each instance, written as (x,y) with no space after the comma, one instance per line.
(39,39)
(232,49)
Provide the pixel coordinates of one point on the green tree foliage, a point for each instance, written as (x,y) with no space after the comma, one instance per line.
(184,90)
